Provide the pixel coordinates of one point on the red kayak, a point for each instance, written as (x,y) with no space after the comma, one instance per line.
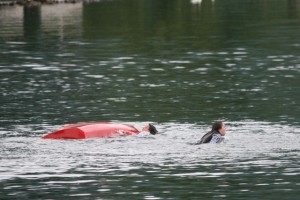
(92,130)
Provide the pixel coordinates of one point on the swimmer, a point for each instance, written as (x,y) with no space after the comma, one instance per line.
(215,135)
(97,130)
(151,129)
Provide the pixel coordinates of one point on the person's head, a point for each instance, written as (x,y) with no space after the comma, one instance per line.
(151,129)
(220,127)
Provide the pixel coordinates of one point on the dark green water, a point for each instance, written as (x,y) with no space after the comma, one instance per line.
(179,63)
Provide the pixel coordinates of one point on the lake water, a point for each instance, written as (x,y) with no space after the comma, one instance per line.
(180,64)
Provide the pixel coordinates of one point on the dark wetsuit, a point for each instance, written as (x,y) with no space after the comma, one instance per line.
(211,137)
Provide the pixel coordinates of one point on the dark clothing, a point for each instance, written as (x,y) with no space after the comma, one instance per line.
(211,137)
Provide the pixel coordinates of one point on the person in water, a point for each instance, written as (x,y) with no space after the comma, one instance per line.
(151,129)
(98,130)
(216,135)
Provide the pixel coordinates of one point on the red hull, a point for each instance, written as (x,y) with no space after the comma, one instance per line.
(92,130)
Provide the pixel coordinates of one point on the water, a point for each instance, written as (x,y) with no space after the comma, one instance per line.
(258,160)
(180,64)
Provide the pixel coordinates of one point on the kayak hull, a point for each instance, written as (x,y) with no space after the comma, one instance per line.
(92,130)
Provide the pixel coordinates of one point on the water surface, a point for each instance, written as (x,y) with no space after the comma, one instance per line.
(180,64)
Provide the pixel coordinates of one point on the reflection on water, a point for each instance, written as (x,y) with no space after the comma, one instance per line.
(257,158)
(180,63)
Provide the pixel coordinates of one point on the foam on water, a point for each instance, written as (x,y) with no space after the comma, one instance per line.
(252,155)
(248,144)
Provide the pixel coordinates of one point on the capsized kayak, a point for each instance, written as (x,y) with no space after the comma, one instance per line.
(92,130)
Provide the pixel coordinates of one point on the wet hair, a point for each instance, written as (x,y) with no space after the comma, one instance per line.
(217,125)
(152,129)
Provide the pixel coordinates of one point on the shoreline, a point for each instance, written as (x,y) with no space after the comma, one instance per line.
(4,3)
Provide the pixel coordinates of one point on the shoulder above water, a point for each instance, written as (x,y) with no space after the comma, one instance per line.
(216,138)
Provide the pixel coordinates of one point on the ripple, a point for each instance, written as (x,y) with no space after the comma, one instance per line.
(95,76)
(200,69)
(239,53)
(152,85)
(7,70)
(282,68)
(251,151)
(158,69)
(65,55)
(122,99)
(179,62)
(123,58)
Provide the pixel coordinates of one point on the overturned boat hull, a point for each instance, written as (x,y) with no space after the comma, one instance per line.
(92,130)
